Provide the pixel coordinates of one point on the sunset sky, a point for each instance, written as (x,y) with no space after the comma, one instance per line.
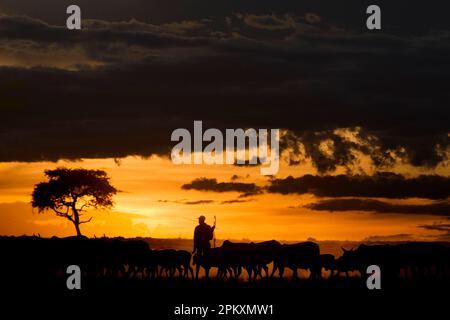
(364,116)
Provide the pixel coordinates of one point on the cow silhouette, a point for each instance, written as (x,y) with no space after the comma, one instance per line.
(302,255)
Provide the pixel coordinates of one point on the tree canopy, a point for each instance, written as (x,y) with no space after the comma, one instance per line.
(71,192)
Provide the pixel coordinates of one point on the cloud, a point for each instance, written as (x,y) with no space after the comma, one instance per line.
(236,201)
(269,22)
(211,185)
(439,226)
(436,227)
(343,147)
(440,208)
(198,202)
(188,202)
(312,17)
(387,88)
(132,32)
(185,26)
(236,177)
(392,237)
(379,185)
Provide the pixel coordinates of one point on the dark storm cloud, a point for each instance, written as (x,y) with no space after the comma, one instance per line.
(205,184)
(440,208)
(330,149)
(230,65)
(436,227)
(439,226)
(411,13)
(379,185)
(96,32)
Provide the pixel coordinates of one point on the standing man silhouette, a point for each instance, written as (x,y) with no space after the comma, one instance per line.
(203,233)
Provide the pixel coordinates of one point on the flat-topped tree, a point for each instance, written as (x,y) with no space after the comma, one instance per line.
(71,192)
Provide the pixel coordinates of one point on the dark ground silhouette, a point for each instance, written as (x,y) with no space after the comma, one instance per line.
(127,270)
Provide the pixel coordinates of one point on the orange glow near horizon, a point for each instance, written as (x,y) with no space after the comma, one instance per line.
(150,204)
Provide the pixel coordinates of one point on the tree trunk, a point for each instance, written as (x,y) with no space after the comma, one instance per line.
(77,227)
(76,221)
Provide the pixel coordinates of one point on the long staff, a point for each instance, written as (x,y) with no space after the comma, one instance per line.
(214,233)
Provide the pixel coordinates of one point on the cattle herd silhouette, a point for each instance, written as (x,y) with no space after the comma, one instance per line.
(133,259)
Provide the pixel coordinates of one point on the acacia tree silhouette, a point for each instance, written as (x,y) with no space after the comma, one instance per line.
(70,192)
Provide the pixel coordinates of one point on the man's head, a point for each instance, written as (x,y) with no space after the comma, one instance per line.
(201,219)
